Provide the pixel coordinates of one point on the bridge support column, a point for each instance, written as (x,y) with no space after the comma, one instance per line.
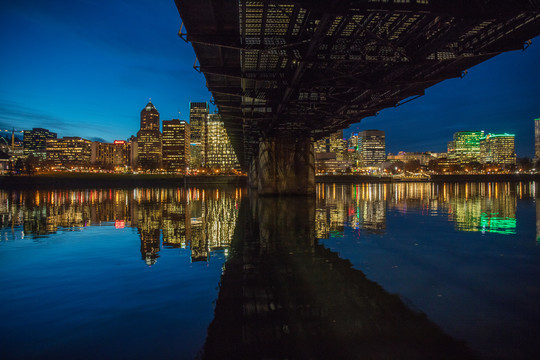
(253,178)
(286,166)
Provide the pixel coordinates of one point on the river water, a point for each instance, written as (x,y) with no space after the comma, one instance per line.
(406,270)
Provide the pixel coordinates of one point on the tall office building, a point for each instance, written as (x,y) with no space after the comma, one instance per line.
(352,149)
(465,147)
(149,139)
(149,117)
(34,142)
(338,145)
(69,151)
(219,152)
(176,150)
(353,141)
(198,116)
(331,153)
(332,144)
(537,139)
(371,147)
(498,149)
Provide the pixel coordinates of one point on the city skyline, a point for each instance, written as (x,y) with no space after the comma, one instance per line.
(80,71)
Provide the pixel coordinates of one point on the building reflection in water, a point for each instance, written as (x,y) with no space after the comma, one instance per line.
(358,206)
(483,207)
(285,295)
(202,220)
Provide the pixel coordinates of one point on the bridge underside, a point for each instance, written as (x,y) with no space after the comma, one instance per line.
(308,68)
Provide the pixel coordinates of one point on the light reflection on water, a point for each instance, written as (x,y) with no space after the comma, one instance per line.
(111,273)
(79,267)
(484,207)
(466,254)
(198,219)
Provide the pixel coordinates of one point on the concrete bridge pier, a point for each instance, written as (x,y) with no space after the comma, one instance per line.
(253,178)
(286,166)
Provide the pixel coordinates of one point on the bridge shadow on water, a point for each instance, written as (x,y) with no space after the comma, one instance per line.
(284,295)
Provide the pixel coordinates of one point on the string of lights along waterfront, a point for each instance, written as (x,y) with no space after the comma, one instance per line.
(202,146)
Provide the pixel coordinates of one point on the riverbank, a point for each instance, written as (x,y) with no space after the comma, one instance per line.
(485,178)
(352,179)
(91,180)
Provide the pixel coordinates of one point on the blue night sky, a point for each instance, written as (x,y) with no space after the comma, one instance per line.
(87,68)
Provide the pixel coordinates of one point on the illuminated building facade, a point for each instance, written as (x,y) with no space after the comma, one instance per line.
(422,157)
(198,115)
(110,155)
(34,142)
(176,140)
(352,149)
(149,117)
(537,139)
(219,152)
(332,144)
(69,151)
(320,146)
(498,149)
(371,147)
(331,154)
(465,147)
(149,139)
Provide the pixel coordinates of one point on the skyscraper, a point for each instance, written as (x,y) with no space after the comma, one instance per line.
(465,147)
(149,117)
(34,142)
(219,153)
(537,139)
(338,145)
(498,149)
(352,149)
(198,115)
(371,147)
(332,144)
(331,154)
(149,139)
(176,138)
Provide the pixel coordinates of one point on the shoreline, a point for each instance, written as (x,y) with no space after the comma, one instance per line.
(89,180)
(86,180)
(486,178)
(351,179)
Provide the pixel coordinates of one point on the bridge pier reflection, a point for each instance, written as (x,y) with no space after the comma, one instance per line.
(283,295)
(285,166)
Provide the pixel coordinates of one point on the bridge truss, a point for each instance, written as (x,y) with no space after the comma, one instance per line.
(311,67)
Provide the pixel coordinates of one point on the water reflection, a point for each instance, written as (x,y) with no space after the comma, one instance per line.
(483,207)
(285,295)
(538,222)
(202,220)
